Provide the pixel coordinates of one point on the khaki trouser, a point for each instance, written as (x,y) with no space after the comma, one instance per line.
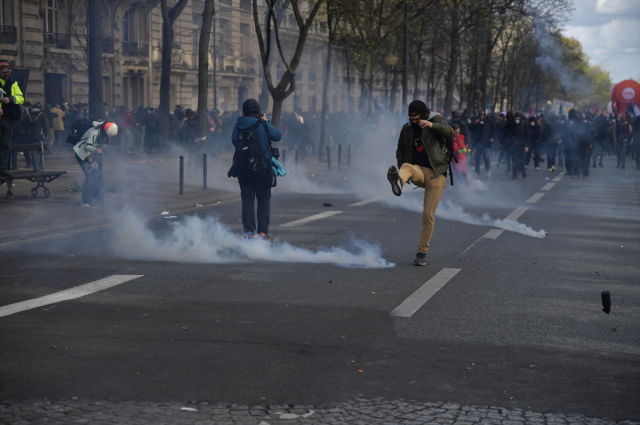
(433,189)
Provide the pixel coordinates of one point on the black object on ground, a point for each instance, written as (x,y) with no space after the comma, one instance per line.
(606,301)
(326,204)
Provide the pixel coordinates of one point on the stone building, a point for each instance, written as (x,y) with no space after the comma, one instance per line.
(45,41)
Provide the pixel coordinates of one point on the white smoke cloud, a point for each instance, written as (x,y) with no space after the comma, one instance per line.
(449,211)
(197,240)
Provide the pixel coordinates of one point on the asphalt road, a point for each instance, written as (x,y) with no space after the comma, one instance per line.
(521,325)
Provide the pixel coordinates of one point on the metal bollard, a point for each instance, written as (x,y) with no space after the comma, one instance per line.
(181,174)
(349,155)
(328,158)
(296,159)
(339,155)
(284,156)
(204,171)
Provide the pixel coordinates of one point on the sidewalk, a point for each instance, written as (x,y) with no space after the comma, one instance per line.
(146,183)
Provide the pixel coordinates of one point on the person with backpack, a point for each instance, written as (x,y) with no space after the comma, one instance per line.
(38,124)
(89,151)
(423,154)
(252,136)
(11,98)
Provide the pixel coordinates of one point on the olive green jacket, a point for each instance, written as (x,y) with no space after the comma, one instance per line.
(434,140)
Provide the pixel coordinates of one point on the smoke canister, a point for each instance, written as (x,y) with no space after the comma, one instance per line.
(606,301)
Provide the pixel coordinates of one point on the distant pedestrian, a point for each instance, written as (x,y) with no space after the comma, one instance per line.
(38,125)
(483,128)
(423,161)
(621,133)
(11,97)
(518,133)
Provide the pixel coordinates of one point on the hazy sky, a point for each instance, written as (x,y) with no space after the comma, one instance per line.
(609,31)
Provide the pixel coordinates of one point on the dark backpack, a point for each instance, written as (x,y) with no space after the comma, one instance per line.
(77,131)
(35,133)
(248,158)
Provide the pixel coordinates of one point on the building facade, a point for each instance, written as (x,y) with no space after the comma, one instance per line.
(46,43)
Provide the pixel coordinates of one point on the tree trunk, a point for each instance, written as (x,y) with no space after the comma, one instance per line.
(394,92)
(325,89)
(277,110)
(168,17)
(348,83)
(203,68)
(94,47)
(451,73)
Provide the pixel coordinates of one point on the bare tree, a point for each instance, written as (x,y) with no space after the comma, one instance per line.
(203,67)
(287,84)
(168,18)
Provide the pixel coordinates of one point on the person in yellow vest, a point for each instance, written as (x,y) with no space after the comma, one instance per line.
(11,97)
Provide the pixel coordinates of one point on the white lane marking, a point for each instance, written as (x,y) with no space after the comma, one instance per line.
(557,179)
(69,294)
(310,218)
(493,233)
(515,214)
(548,186)
(368,201)
(535,198)
(424,293)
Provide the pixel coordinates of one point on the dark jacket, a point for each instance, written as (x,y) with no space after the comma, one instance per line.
(244,123)
(434,140)
(519,133)
(188,132)
(38,125)
(484,132)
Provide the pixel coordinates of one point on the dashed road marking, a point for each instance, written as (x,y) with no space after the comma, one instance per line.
(535,198)
(548,186)
(493,233)
(424,293)
(69,294)
(367,201)
(310,218)
(515,214)
(557,179)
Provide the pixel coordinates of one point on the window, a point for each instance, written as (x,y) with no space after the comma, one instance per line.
(50,17)
(245,4)
(6,12)
(125,26)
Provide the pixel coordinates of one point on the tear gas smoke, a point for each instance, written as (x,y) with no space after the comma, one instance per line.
(197,240)
(448,211)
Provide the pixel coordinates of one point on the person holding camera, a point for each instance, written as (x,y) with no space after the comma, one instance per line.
(256,185)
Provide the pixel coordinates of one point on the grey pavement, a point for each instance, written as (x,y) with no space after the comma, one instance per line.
(253,339)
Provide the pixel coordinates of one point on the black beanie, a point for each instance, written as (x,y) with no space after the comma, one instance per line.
(418,107)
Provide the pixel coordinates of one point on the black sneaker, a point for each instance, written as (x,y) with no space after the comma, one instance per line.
(395,180)
(9,195)
(421,259)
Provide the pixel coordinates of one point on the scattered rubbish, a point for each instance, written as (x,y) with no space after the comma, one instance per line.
(172,216)
(331,281)
(606,301)
(456,336)
(189,409)
(53,347)
(614,329)
(621,246)
(184,328)
(547,178)
(360,370)
(164,212)
(74,398)
(326,204)
(353,361)
(199,205)
(532,365)
(66,348)
(17,283)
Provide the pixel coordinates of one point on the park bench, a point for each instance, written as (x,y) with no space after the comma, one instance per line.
(40,177)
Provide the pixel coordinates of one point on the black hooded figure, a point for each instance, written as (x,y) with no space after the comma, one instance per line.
(518,133)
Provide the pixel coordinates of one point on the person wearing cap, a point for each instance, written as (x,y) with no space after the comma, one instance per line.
(423,161)
(38,124)
(10,96)
(259,187)
(89,152)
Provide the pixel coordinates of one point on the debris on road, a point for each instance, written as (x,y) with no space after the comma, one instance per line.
(199,205)
(326,204)
(606,301)
(189,409)
(53,347)
(164,212)
(172,216)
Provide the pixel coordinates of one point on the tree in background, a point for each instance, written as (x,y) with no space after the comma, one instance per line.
(169,16)
(203,68)
(287,84)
